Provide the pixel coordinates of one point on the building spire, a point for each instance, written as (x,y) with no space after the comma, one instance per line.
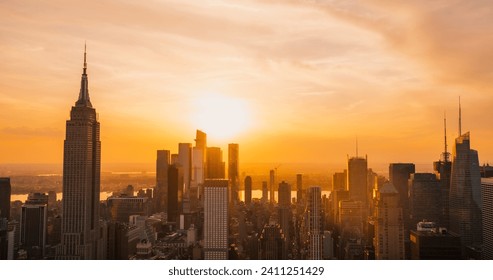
(85,61)
(84,100)
(460,119)
(445,153)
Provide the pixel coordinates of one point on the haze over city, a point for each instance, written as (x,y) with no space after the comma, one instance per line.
(292,81)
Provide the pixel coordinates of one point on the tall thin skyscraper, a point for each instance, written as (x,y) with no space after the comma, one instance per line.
(272,182)
(161,192)
(199,173)
(233,171)
(248,190)
(5,191)
(216,219)
(175,192)
(299,188)
(389,227)
(443,170)
(265,192)
(339,181)
(314,213)
(81,179)
(185,162)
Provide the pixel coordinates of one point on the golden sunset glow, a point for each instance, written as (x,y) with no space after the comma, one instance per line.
(291,81)
(221,116)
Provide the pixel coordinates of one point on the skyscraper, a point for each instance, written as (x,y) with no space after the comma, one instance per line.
(233,171)
(5,191)
(265,192)
(215,165)
(357,179)
(424,198)
(314,213)
(399,173)
(161,192)
(299,188)
(185,163)
(284,194)
(175,192)
(248,190)
(487,197)
(199,159)
(339,181)
(33,229)
(81,179)
(216,219)
(443,170)
(389,227)
(465,197)
(272,182)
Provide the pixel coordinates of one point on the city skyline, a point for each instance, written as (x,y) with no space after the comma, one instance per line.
(306,77)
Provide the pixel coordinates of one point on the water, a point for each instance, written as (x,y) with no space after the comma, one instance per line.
(105,195)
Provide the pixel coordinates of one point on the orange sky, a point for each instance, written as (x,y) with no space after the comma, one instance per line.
(306,77)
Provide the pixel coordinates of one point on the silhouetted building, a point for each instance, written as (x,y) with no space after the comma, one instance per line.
(4,240)
(33,230)
(389,226)
(487,197)
(185,163)
(248,190)
(431,243)
(299,188)
(5,191)
(284,194)
(350,228)
(215,167)
(161,191)
(357,180)
(198,170)
(399,174)
(234,171)
(175,192)
(339,181)
(272,183)
(216,219)
(81,179)
(117,241)
(265,192)
(465,193)
(314,212)
(120,208)
(272,243)
(424,198)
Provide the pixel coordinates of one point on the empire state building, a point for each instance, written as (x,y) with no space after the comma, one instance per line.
(81,179)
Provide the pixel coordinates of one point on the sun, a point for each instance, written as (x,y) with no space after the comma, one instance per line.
(220,116)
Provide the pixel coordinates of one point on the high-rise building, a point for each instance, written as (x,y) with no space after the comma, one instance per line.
(265,191)
(272,183)
(175,192)
(443,170)
(284,194)
(185,163)
(5,191)
(487,197)
(389,226)
(4,239)
(424,198)
(299,188)
(81,179)
(216,219)
(33,229)
(339,181)
(233,171)
(120,208)
(314,213)
(161,192)
(215,167)
(465,196)
(399,174)
(357,179)
(350,222)
(248,190)
(431,243)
